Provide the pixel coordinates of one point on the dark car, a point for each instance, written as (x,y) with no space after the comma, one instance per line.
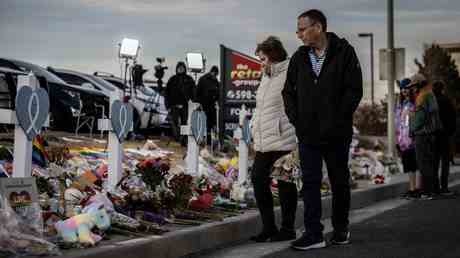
(145,115)
(8,86)
(63,96)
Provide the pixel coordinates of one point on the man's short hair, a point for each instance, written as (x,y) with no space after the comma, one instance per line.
(316,16)
(273,48)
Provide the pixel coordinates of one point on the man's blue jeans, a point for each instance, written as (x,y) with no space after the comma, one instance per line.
(311,161)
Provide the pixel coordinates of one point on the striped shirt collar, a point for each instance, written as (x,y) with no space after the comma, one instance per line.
(317,61)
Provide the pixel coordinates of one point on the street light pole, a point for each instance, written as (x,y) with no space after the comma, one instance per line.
(391,79)
(371,36)
(372,70)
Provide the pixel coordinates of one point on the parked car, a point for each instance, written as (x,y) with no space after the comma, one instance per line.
(64,98)
(155,112)
(8,82)
(144,115)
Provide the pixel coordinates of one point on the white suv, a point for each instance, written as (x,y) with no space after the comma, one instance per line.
(145,102)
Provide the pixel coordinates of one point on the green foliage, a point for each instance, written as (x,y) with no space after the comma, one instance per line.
(439,65)
(371,119)
(153,172)
(182,187)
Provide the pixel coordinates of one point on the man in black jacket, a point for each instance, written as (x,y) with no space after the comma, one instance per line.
(179,90)
(448,120)
(322,91)
(207,93)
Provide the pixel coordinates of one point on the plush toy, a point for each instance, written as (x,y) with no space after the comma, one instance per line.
(78,228)
(150,145)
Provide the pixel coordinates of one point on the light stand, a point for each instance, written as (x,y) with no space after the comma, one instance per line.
(129,49)
(125,81)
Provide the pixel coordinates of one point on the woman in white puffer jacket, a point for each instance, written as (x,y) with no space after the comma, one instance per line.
(273,137)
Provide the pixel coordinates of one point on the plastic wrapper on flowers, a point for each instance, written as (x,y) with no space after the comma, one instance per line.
(243,193)
(15,242)
(373,166)
(287,168)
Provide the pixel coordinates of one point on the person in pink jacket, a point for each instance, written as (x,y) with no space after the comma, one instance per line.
(404,143)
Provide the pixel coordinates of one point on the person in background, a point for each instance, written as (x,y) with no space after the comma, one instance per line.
(179,90)
(445,136)
(405,144)
(323,89)
(273,137)
(425,124)
(207,94)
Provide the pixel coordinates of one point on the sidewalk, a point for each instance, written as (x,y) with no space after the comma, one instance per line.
(188,240)
(421,229)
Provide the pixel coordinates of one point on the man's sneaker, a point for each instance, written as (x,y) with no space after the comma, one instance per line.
(307,242)
(446,192)
(340,238)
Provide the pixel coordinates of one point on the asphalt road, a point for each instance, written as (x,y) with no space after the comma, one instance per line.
(420,229)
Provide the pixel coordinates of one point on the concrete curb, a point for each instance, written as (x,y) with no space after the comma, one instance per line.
(231,230)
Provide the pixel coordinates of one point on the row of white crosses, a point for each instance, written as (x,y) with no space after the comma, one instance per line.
(32,108)
(31,114)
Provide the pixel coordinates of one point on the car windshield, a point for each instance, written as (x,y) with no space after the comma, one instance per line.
(116,83)
(103,83)
(40,71)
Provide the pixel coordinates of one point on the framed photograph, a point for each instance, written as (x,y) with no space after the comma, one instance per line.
(21,194)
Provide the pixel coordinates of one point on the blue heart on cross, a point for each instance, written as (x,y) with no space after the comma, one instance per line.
(198,126)
(121,116)
(246,131)
(32,107)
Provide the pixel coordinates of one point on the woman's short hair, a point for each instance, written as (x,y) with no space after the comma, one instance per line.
(273,48)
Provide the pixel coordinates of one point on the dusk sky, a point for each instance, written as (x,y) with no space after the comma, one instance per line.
(83,34)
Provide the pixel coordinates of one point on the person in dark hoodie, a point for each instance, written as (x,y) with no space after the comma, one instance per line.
(322,91)
(443,139)
(207,93)
(179,90)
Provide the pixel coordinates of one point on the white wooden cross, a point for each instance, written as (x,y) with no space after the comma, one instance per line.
(193,149)
(115,148)
(22,155)
(243,149)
